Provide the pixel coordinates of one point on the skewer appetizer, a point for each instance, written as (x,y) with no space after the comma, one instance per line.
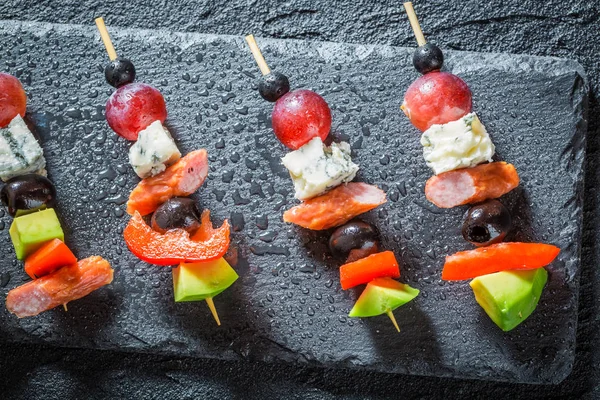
(179,234)
(36,233)
(508,277)
(322,177)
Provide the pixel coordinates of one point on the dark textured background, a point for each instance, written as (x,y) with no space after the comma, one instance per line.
(543,28)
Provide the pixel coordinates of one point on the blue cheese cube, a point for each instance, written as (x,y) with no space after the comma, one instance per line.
(154,151)
(458,144)
(316,168)
(20,152)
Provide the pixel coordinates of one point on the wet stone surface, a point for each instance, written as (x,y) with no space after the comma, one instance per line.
(287,304)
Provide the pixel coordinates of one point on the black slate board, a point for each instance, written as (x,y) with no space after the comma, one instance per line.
(288,304)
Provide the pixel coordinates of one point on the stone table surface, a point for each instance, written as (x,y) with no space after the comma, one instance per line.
(530,27)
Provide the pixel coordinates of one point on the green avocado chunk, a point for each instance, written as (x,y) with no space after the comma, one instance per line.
(29,232)
(509,297)
(198,281)
(382,295)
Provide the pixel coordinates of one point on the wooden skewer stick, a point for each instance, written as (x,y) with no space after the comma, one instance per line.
(65,307)
(112,54)
(213,309)
(414,23)
(260,60)
(391,315)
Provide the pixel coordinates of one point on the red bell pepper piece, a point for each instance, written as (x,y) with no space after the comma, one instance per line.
(498,257)
(378,265)
(49,258)
(176,246)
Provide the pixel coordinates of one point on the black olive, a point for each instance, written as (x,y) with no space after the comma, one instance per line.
(428,58)
(119,72)
(178,212)
(28,193)
(486,223)
(354,240)
(273,86)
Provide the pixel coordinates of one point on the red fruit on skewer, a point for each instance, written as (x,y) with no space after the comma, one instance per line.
(13,100)
(133,107)
(299,116)
(436,98)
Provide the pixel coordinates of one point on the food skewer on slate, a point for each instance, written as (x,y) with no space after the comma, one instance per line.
(179,233)
(322,178)
(508,277)
(36,232)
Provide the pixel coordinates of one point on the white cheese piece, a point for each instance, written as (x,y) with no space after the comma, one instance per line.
(20,152)
(316,168)
(458,144)
(154,151)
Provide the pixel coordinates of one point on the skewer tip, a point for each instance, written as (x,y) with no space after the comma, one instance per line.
(414,23)
(213,310)
(112,54)
(258,57)
(390,314)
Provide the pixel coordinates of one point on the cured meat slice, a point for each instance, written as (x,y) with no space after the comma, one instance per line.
(180,179)
(336,207)
(60,287)
(471,185)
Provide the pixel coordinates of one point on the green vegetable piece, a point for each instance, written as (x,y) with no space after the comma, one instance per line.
(381,296)
(29,232)
(25,212)
(509,297)
(198,281)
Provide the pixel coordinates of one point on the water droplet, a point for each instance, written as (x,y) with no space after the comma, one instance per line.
(262,221)
(242,110)
(227,176)
(4,279)
(238,127)
(237,221)
(226,97)
(307,268)
(238,200)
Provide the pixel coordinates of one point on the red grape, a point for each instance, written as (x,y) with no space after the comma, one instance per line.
(300,116)
(132,108)
(13,99)
(436,98)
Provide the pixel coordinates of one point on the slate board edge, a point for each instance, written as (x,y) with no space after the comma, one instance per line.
(580,103)
(531,63)
(534,63)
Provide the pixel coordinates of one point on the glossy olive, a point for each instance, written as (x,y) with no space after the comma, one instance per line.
(119,72)
(178,212)
(354,240)
(273,86)
(28,192)
(428,58)
(486,223)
